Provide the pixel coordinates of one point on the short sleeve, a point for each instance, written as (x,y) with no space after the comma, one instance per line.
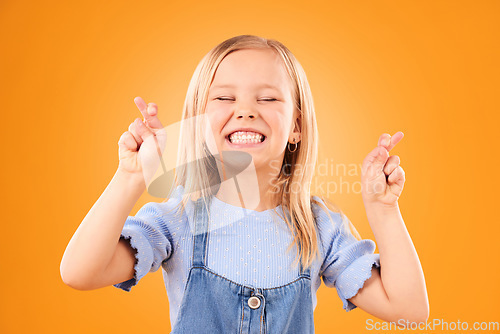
(347,261)
(149,235)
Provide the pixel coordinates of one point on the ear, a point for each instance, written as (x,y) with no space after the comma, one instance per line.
(296,131)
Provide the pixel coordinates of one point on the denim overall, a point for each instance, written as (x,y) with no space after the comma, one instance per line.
(213,304)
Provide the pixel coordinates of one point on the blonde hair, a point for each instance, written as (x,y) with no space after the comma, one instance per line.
(197,176)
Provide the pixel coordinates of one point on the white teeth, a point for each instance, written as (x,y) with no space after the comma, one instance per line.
(244,137)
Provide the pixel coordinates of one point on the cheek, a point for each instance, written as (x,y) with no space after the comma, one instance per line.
(214,124)
(218,114)
(209,133)
(279,124)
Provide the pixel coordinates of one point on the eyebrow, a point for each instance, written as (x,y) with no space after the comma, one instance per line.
(264,85)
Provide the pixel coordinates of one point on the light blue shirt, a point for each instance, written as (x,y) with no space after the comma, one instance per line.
(245,246)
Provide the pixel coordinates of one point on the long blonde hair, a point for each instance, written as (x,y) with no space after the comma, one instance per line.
(196,170)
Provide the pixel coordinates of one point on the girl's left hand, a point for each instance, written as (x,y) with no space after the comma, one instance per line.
(382,178)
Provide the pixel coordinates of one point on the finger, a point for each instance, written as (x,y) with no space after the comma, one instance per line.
(127,142)
(142,130)
(397,177)
(384,140)
(143,107)
(152,109)
(133,130)
(374,162)
(391,164)
(389,142)
(139,102)
(153,121)
(149,112)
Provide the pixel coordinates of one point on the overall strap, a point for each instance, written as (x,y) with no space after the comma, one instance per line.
(200,233)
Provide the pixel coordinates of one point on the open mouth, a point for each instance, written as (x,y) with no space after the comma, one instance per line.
(245,137)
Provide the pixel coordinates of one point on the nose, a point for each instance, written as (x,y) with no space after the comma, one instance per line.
(244,111)
(243,116)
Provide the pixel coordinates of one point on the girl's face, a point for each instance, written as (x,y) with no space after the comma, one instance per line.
(251,97)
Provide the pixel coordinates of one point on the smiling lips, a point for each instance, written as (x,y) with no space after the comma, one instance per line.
(246,137)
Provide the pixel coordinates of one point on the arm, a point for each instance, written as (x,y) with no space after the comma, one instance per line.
(95,256)
(396,290)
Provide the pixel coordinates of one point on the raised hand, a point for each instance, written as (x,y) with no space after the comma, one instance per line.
(142,146)
(382,178)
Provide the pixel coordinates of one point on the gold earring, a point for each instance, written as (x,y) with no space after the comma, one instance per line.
(295,148)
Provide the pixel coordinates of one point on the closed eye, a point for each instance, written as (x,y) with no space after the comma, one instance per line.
(226,99)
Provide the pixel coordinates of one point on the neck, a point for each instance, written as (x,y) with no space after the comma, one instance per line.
(252,189)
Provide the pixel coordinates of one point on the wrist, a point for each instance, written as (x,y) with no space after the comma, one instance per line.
(382,210)
(131,179)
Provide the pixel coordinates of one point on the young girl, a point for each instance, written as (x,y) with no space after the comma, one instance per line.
(242,208)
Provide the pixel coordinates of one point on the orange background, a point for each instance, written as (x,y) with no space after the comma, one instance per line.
(70,72)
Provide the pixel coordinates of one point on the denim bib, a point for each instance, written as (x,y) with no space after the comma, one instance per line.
(215,304)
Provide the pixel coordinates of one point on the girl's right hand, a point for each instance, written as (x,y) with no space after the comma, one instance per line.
(142,146)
